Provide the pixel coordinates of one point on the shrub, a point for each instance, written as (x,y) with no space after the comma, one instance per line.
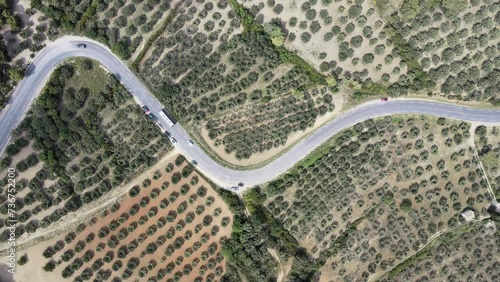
(140,20)
(311,14)
(154,194)
(367,32)
(180,160)
(355,11)
(356,41)
(175,178)
(121,21)
(315,27)
(305,37)
(361,20)
(134,209)
(368,58)
(134,191)
(49,266)
(225,221)
(278,9)
(328,36)
(207,220)
(144,201)
(23,259)
(182,207)
(336,30)
(164,204)
(379,49)
(406,205)
(115,207)
(49,252)
(202,191)
(169,168)
(128,10)
(209,201)
(117,265)
(349,27)
(133,263)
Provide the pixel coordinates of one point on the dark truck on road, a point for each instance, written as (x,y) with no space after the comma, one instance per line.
(168,117)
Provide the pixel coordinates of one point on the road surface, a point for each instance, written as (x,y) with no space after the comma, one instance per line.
(64,48)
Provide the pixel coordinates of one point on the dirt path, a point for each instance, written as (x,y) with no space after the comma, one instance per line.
(479,162)
(273,253)
(280,266)
(71,220)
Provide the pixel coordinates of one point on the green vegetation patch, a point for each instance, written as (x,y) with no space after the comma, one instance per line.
(487,142)
(463,248)
(122,25)
(9,74)
(378,191)
(449,44)
(238,86)
(88,140)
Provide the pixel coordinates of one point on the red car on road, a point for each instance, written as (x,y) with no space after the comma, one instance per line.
(385,99)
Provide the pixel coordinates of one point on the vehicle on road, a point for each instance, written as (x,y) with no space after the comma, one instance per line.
(173,140)
(385,99)
(241,184)
(55,53)
(190,143)
(152,117)
(234,188)
(167,134)
(168,117)
(81,46)
(194,162)
(146,109)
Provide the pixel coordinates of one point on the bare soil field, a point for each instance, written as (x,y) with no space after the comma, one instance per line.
(160,231)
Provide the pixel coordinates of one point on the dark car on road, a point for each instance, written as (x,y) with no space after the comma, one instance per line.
(146,109)
(167,134)
(152,117)
(194,162)
(81,45)
(385,99)
(241,184)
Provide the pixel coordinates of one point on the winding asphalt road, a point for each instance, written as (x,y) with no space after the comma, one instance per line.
(64,48)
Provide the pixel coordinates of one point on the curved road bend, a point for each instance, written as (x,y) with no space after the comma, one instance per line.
(64,48)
